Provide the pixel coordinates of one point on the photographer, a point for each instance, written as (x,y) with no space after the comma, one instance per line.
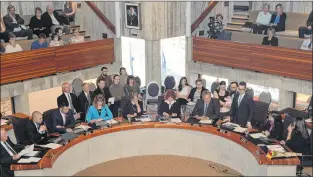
(215,26)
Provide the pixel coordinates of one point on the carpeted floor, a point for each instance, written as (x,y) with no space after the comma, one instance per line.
(158,166)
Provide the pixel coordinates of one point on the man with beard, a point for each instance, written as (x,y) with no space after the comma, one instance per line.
(105,77)
(233,89)
(102,89)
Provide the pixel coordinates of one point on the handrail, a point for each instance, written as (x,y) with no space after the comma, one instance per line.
(202,16)
(101,16)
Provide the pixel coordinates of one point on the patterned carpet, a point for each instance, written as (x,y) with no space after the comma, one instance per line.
(158,165)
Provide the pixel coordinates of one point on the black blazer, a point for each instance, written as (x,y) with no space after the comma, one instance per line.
(58,120)
(106,93)
(62,98)
(6,160)
(192,93)
(83,103)
(309,22)
(299,144)
(213,110)
(277,130)
(8,22)
(282,22)
(164,107)
(244,113)
(33,135)
(36,23)
(129,108)
(48,21)
(272,42)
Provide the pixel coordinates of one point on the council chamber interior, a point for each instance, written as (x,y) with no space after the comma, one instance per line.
(149,88)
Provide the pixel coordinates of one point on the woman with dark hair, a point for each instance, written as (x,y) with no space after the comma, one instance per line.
(131,87)
(99,111)
(132,108)
(278,20)
(37,24)
(123,76)
(196,93)
(298,139)
(221,94)
(270,40)
(169,107)
(55,40)
(183,91)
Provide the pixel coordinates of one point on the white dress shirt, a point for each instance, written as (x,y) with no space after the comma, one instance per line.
(63,117)
(306,45)
(8,147)
(54,20)
(240,98)
(37,127)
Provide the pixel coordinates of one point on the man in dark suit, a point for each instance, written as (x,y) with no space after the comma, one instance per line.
(63,120)
(52,20)
(132,18)
(242,108)
(84,100)
(205,108)
(101,89)
(69,98)
(9,154)
(35,130)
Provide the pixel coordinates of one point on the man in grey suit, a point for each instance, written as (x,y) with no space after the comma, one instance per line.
(205,108)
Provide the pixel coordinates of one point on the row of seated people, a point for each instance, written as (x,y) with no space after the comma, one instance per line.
(42,42)
(40,23)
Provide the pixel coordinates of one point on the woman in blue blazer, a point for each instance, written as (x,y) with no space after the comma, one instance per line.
(99,111)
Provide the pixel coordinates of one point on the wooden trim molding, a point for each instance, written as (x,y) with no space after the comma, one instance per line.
(202,16)
(102,17)
(285,62)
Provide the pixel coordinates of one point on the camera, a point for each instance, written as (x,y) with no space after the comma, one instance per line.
(215,28)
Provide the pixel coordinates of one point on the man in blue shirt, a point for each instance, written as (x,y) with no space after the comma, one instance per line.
(40,43)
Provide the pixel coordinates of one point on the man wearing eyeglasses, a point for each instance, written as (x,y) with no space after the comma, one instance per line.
(242,108)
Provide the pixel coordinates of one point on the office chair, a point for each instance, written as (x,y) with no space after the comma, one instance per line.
(20,131)
(260,114)
(265,97)
(77,86)
(250,91)
(124,100)
(92,86)
(47,119)
(214,86)
(169,83)
(151,98)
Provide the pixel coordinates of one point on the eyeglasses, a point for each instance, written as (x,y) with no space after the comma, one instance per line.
(241,89)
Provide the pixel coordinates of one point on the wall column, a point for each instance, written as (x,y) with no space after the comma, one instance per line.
(285,99)
(21,103)
(188,19)
(118,19)
(153,61)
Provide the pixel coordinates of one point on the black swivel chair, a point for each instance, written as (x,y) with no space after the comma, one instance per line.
(77,86)
(250,91)
(265,97)
(20,131)
(47,119)
(260,114)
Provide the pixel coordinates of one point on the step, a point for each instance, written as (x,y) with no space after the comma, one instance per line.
(240,17)
(232,29)
(81,33)
(236,23)
(234,26)
(238,20)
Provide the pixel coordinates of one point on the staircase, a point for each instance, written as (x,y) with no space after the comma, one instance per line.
(240,16)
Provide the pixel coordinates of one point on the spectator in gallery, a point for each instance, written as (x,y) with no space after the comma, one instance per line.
(14,23)
(12,46)
(40,43)
(123,76)
(307,43)
(104,75)
(278,20)
(69,9)
(196,93)
(55,40)
(117,91)
(53,21)
(76,38)
(263,20)
(308,28)
(270,40)
(37,24)
(183,91)
(4,35)
(221,94)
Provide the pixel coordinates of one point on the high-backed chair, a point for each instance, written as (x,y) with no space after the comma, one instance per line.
(92,86)
(265,97)
(47,119)
(152,93)
(77,86)
(214,86)
(169,83)
(260,114)
(203,82)
(20,131)
(250,91)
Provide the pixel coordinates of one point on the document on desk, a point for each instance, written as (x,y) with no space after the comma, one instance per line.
(27,150)
(84,127)
(277,148)
(31,154)
(29,160)
(51,146)
(111,122)
(146,119)
(240,129)
(111,100)
(208,121)
(4,122)
(231,124)
(175,120)
(257,135)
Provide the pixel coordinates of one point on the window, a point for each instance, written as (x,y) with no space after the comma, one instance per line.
(6,106)
(173,58)
(133,57)
(302,101)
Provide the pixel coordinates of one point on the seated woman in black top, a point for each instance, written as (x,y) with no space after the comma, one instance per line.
(298,139)
(221,94)
(37,24)
(270,39)
(278,20)
(132,108)
(169,107)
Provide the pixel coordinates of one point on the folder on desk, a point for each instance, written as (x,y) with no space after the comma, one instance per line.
(112,122)
(208,121)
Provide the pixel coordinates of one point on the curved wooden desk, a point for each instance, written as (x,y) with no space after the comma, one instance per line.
(157,139)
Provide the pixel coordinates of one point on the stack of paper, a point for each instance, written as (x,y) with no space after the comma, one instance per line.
(231,124)
(257,135)
(240,129)
(208,121)
(277,148)
(27,150)
(145,119)
(4,122)
(30,160)
(111,100)
(31,154)
(84,127)
(112,122)
(51,146)
(175,120)
(308,120)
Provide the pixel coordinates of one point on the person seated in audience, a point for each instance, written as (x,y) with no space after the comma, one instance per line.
(132,108)
(56,40)
(59,32)
(263,20)
(123,76)
(69,9)
(40,43)
(105,77)
(69,98)
(99,111)
(183,91)
(84,100)
(63,119)
(298,139)
(221,94)
(12,46)
(52,20)
(117,91)
(307,43)
(2,48)
(205,108)
(278,20)
(277,126)
(169,107)
(35,130)
(9,154)
(233,89)
(308,29)
(37,24)
(131,87)
(196,93)
(76,38)
(102,89)
(4,35)
(14,23)
(270,39)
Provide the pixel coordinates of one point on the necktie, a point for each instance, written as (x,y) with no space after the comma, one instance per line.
(205,109)
(239,100)
(10,148)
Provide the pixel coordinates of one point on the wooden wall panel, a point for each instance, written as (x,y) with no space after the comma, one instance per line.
(284,62)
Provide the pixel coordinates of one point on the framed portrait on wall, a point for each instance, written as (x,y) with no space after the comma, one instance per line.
(132,15)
